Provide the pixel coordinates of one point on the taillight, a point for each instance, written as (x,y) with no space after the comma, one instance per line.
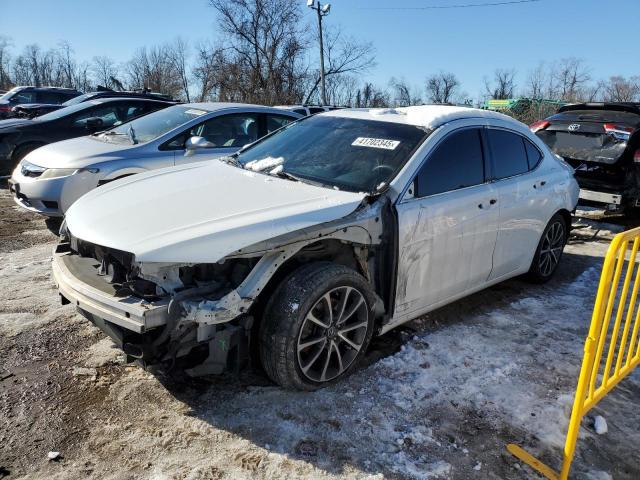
(5,108)
(540,125)
(618,131)
(636,157)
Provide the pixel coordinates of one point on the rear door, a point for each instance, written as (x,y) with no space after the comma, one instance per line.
(447,225)
(522,191)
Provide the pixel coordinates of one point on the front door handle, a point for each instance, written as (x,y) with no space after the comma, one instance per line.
(493,201)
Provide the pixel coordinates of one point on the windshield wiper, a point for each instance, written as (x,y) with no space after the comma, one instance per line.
(132,134)
(232,161)
(287,175)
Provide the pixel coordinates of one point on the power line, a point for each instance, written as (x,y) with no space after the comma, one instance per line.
(461,5)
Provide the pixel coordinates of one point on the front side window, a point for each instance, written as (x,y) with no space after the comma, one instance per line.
(234,130)
(457,162)
(226,131)
(345,153)
(508,153)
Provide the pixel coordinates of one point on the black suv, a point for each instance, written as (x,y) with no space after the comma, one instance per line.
(35,110)
(601,141)
(23,95)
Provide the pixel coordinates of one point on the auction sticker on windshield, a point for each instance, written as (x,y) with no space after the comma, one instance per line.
(193,111)
(376,143)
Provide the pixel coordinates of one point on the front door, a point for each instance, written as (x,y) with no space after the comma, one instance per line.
(447,225)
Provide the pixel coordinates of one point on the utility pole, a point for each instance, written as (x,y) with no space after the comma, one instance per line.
(322,11)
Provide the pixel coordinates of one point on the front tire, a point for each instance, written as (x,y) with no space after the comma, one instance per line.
(316,326)
(549,252)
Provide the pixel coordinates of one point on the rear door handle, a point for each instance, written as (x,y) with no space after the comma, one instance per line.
(493,201)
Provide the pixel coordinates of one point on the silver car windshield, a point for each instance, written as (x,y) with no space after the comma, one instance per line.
(154,125)
(337,152)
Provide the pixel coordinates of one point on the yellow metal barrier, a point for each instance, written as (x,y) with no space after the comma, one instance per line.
(599,373)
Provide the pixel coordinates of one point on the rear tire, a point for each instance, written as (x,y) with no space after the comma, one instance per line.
(549,252)
(306,345)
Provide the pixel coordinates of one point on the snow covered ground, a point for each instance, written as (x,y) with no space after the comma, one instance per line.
(439,399)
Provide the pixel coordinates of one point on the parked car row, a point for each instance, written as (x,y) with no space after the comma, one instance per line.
(31,95)
(32,110)
(51,178)
(18,137)
(245,233)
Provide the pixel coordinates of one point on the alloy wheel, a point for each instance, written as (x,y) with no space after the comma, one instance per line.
(332,334)
(551,250)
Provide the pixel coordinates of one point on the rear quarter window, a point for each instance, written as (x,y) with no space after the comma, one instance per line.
(533,154)
(508,153)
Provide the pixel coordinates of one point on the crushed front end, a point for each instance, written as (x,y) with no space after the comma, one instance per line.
(160,314)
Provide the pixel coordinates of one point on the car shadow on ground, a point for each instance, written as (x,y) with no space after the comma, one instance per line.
(311,426)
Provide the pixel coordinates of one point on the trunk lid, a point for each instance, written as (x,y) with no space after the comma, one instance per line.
(596,136)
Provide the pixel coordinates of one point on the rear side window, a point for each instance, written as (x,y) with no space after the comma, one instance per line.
(508,153)
(533,154)
(456,163)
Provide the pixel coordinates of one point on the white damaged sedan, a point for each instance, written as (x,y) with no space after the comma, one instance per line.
(297,250)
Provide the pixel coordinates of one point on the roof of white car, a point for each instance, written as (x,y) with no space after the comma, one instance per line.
(428,116)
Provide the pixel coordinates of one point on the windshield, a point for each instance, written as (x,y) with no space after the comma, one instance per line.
(7,95)
(347,153)
(79,99)
(155,124)
(63,112)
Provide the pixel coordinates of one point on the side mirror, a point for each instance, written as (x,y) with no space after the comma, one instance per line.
(93,123)
(195,143)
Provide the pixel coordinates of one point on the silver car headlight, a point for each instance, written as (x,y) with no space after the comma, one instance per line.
(65,172)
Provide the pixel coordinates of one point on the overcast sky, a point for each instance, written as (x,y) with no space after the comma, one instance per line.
(471,42)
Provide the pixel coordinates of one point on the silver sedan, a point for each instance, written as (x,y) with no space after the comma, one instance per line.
(49,179)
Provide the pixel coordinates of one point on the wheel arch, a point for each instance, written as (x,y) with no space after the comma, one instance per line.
(325,250)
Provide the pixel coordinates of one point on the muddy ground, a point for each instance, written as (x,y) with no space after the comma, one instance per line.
(439,399)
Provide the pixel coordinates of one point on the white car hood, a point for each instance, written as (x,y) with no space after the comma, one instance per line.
(76,153)
(200,212)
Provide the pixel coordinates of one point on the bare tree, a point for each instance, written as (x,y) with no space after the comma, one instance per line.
(5,63)
(537,83)
(151,68)
(178,53)
(621,89)
(371,97)
(105,72)
(442,87)
(66,65)
(503,84)
(404,94)
(343,56)
(341,89)
(204,71)
(263,48)
(571,75)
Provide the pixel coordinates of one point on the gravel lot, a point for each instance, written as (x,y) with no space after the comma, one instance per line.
(439,399)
